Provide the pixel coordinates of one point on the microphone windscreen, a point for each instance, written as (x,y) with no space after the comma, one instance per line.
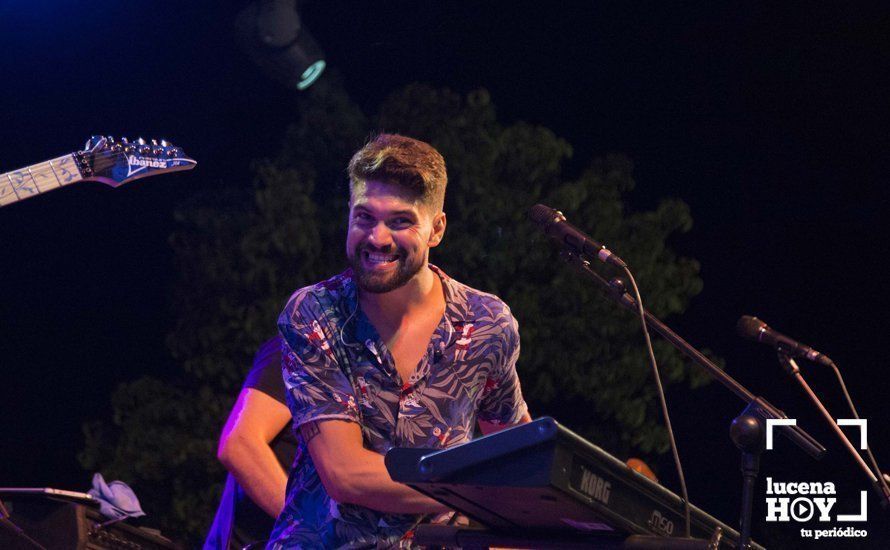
(749,327)
(541,214)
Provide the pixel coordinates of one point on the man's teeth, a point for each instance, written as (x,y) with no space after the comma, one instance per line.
(377,258)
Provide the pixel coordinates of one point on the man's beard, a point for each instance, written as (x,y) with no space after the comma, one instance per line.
(379,283)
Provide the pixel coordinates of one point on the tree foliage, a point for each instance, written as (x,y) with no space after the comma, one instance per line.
(240,253)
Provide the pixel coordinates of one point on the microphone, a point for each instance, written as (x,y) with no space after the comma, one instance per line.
(755,329)
(557,228)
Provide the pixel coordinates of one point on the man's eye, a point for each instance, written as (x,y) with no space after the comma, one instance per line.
(362,216)
(401,222)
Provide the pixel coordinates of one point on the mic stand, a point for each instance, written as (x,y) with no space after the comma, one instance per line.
(746,431)
(616,290)
(8,524)
(748,427)
(790,366)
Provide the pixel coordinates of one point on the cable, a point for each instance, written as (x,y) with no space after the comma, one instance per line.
(871,457)
(664,410)
(6,521)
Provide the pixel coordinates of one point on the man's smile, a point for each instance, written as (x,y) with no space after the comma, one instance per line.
(379,259)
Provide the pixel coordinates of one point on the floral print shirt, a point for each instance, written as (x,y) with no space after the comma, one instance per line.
(337,367)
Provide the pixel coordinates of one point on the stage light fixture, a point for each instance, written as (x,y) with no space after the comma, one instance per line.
(272,35)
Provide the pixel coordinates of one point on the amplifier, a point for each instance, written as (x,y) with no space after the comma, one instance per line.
(61,525)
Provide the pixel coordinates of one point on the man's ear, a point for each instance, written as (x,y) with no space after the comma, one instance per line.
(439,223)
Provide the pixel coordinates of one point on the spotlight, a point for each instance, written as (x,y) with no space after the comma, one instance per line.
(271,33)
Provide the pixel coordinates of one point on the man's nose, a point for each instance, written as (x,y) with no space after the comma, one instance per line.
(380,236)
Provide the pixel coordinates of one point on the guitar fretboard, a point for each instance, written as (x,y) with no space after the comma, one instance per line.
(38,178)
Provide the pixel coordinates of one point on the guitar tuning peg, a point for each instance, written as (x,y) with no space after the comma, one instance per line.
(141,147)
(165,143)
(124,140)
(154,142)
(95,143)
(110,140)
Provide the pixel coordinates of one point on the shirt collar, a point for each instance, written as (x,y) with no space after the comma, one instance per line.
(457,311)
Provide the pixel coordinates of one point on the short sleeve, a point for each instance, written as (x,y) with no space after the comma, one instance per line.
(317,389)
(502,401)
(265,374)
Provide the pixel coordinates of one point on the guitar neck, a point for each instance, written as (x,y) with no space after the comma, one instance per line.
(39,178)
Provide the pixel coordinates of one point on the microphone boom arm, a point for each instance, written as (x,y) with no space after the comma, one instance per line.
(616,291)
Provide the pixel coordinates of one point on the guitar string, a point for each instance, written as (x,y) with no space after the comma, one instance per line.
(45,169)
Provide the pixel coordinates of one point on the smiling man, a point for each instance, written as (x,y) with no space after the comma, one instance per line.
(390,353)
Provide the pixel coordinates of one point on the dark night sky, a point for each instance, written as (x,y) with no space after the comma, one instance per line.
(770,121)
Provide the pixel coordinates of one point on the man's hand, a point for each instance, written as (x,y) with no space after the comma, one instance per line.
(350,473)
(244,448)
(489,428)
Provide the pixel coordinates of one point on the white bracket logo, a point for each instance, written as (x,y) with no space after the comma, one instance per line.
(863,429)
(861,422)
(770,422)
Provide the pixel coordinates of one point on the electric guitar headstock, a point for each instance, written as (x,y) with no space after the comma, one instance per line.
(118,161)
(104,158)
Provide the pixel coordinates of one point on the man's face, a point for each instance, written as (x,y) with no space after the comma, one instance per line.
(389,236)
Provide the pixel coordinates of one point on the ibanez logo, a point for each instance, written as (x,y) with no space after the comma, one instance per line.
(133,160)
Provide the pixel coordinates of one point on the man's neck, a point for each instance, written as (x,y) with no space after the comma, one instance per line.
(423,291)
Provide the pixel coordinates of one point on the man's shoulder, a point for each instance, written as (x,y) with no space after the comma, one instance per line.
(477,303)
(319,296)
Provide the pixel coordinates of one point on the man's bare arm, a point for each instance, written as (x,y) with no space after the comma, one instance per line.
(353,474)
(244,448)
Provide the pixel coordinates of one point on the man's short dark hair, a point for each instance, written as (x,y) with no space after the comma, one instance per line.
(398,160)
